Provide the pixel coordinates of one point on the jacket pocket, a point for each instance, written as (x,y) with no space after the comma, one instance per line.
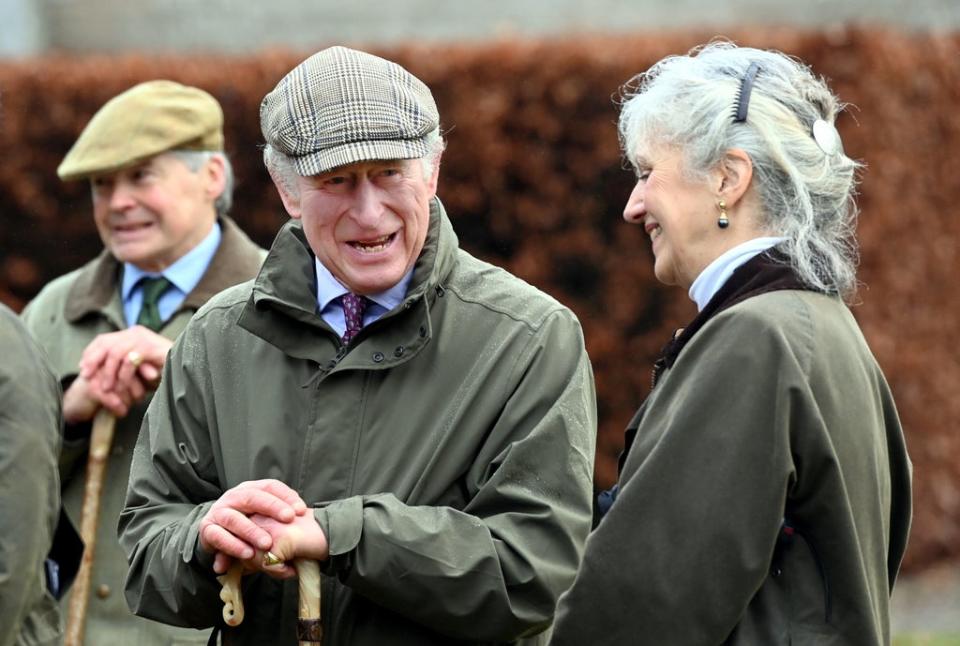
(797,557)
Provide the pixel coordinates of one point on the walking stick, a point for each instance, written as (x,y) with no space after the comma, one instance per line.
(309,628)
(100,441)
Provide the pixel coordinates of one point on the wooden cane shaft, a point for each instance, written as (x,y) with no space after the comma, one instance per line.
(100,440)
(309,630)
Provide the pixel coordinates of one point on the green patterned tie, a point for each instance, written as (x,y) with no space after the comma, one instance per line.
(152,289)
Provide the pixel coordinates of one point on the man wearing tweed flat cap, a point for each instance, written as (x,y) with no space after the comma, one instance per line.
(419,422)
(161,187)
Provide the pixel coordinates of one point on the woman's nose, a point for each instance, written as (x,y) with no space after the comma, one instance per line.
(635,209)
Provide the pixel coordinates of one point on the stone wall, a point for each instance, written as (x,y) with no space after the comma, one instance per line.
(241,26)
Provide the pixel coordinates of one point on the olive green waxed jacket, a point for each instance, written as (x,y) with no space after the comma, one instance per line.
(64,318)
(29,487)
(448,454)
(766,495)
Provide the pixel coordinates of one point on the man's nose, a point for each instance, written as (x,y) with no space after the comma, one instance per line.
(635,209)
(121,197)
(368,205)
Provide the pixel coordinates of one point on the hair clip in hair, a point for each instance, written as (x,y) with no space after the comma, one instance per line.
(743,95)
(826,136)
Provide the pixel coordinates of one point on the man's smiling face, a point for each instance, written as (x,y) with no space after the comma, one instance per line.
(154,212)
(366,222)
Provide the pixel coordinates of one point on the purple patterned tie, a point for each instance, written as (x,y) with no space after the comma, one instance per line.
(353,307)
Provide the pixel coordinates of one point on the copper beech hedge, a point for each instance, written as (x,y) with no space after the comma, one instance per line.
(534,181)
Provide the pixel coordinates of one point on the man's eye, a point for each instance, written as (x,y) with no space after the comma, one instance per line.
(643,174)
(336,180)
(100,185)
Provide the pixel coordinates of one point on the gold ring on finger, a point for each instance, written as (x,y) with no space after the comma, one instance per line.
(135,358)
(269,558)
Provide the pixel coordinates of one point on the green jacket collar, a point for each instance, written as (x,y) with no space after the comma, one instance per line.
(284,301)
(96,287)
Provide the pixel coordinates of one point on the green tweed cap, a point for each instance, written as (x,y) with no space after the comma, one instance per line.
(342,106)
(146,120)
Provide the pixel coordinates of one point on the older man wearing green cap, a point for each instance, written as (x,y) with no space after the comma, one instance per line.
(419,422)
(161,188)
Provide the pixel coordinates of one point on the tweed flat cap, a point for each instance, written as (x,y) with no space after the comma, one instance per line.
(342,106)
(146,120)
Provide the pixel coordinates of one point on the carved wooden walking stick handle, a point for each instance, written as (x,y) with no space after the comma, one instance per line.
(100,440)
(230,594)
(309,628)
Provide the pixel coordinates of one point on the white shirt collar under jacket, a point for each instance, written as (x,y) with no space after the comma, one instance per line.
(717,272)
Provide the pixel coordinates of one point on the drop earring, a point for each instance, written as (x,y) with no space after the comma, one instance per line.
(723,222)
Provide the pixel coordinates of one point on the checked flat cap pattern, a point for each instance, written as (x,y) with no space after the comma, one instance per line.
(342,106)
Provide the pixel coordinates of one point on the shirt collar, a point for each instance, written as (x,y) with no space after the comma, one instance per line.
(185,273)
(717,272)
(329,289)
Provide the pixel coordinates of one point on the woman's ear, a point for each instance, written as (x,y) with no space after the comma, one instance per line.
(735,172)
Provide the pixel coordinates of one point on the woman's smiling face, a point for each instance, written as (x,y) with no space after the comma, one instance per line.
(677,212)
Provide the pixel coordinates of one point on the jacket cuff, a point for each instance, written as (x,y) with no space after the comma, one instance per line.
(77,435)
(74,434)
(342,524)
(193,552)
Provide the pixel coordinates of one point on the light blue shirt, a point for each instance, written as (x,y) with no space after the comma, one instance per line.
(184,274)
(329,291)
(717,272)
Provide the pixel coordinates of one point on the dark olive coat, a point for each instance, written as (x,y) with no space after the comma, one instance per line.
(64,318)
(447,452)
(29,487)
(766,495)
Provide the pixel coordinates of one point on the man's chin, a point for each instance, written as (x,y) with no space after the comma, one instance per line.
(134,255)
(368,287)
(373,280)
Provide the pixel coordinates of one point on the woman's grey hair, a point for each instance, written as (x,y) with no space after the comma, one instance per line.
(195,159)
(807,195)
(281,167)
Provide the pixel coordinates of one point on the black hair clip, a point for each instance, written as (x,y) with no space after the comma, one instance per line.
(743,95)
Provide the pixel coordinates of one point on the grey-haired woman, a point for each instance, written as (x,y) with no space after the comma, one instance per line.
(764,493)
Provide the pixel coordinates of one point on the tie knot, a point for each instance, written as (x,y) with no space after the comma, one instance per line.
(152,288)
(353,308)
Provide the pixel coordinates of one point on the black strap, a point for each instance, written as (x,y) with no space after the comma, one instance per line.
(213,641)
